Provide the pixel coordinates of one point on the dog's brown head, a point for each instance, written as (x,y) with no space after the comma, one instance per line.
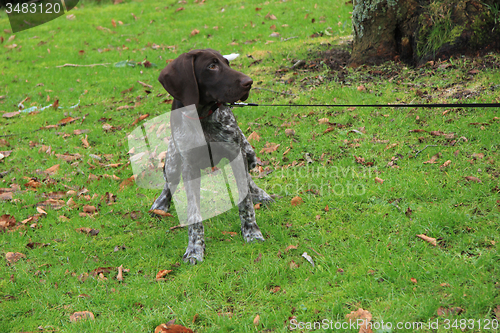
(203,77)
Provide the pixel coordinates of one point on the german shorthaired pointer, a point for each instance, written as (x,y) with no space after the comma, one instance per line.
(204,78)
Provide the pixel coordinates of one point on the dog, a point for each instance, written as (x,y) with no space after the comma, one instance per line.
(203,78)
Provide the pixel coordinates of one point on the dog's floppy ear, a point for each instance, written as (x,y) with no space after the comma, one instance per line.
(179,79)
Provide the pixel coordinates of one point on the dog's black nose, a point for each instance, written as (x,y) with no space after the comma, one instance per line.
(246,82)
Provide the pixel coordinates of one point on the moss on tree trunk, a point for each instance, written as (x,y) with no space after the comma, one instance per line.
(416,31)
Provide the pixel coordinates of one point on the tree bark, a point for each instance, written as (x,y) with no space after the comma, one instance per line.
(416,31)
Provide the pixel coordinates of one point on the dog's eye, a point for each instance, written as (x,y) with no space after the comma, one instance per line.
(212,66)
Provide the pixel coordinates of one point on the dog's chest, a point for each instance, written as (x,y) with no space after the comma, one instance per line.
(221,127)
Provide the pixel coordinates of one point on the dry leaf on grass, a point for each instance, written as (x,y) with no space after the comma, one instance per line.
(52,170)
(6,196)
(290,247)
(254,136)
(77,316)
(161,274)
(473,179)
(442,311)
(362,318)
(119,277)
(428,239)
(269,147)
(142,117)
(67,120)
(127,182)
(433,159)
(445,164)
(89,209)
(52,203)
(170,327)
(296,201)
(13,257)
(69,157)
(256,320)
(88,231)
(7,222)
(160,212)
(379,180)
(497,312)
(85,142)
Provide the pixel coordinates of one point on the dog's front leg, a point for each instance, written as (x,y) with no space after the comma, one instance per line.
(196,244)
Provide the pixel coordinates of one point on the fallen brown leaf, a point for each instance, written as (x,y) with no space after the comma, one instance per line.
(254,136)
(7,221)
(11,114)
(67,120)
(89,209)
(161,274)
(379,180)
(160,212)
(142,117)
(296,201)
(69,157)
(270,147)
(473,179)
(428,239)
(119,277)
(170,327)
(442,311)
(82,315)
(6,196)
(88,231)
(445,164)
(290,247)
(85,142)
(52,203)
(13,257)
(52,170)
(362,318)
(256,320)
(127,182)
(433,159)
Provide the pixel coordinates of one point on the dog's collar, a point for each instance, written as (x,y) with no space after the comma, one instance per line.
(212,110)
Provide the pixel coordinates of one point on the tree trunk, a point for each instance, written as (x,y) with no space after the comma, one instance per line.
(417,31)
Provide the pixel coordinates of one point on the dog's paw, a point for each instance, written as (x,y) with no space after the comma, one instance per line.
(193,254)
(252,234)
(162,204)
(262,197)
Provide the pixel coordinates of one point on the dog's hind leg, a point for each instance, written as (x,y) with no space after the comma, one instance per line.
(249,228)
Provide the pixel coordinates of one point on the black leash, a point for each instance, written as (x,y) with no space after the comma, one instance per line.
(446,105)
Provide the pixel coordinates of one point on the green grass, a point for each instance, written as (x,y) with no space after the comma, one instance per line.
(368,245)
